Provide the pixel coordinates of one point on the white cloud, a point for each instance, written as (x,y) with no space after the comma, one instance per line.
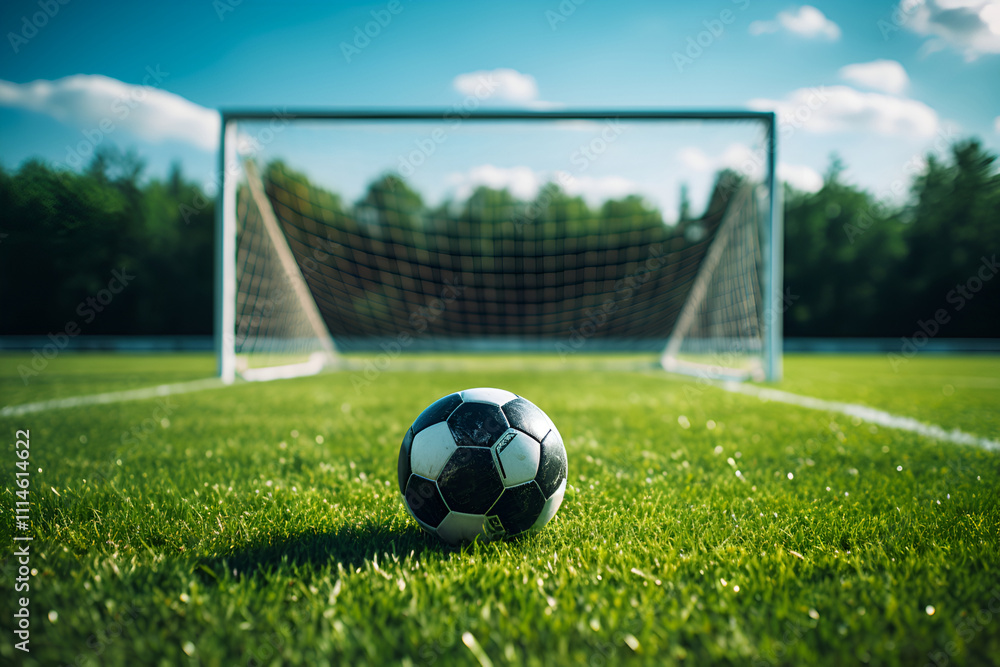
(806,21)
(996,124)
(597,189)
(695,159)
(524,183)
(738,157)
(96,103)
(800,177)
(503,83)
(887,76)
(969,26)
(844,109)
(750,163)
(744,159)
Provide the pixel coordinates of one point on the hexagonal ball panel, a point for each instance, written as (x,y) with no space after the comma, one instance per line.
(424,501)
(527,417)
(431,449)
(470,482)
(437,411)
(552,468)
(519,507)
(477,424)
(460,527)
(517,457)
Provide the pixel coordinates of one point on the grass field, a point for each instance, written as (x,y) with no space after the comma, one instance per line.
(261,524)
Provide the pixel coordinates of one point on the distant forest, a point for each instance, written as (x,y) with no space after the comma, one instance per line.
(856,263)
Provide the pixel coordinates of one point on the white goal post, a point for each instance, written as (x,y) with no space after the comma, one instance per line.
(523,252)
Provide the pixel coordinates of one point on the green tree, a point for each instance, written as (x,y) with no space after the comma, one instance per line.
(954,233)
(842,247)
(390,201)
(67,232)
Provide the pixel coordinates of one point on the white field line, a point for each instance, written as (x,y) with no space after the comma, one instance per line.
(112,397)
(863,412)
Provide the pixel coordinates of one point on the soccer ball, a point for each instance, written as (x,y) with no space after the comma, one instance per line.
(482,463)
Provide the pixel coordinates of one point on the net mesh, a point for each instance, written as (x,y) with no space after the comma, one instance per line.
(273,328)
(494,271)
(720,331)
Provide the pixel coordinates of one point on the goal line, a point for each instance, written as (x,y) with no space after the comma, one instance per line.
(863,412)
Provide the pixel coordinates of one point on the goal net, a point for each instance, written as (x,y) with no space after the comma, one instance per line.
(521,231)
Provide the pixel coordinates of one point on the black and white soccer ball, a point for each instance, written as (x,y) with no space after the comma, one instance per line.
(482,463)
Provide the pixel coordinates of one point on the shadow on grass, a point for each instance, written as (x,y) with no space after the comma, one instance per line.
(349,545)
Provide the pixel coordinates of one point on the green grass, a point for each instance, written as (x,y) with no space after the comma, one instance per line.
(954,392)
(262,524)
(24,378)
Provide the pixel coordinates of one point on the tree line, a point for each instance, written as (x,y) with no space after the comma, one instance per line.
(856,264)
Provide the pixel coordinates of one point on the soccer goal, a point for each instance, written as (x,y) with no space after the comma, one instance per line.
(548,231)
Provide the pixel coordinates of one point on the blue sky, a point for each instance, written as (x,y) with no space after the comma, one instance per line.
(881,84)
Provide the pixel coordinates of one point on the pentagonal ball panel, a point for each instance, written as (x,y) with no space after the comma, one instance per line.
(437,411)
(488,395)
(424,501)
(403,465)
(470,482)
(527,417)
(460,527)
(477,424)
(517,457)
(519,507)
(552,468)
(431,449)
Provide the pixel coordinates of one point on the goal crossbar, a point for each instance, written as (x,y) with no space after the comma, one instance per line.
(230,165)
